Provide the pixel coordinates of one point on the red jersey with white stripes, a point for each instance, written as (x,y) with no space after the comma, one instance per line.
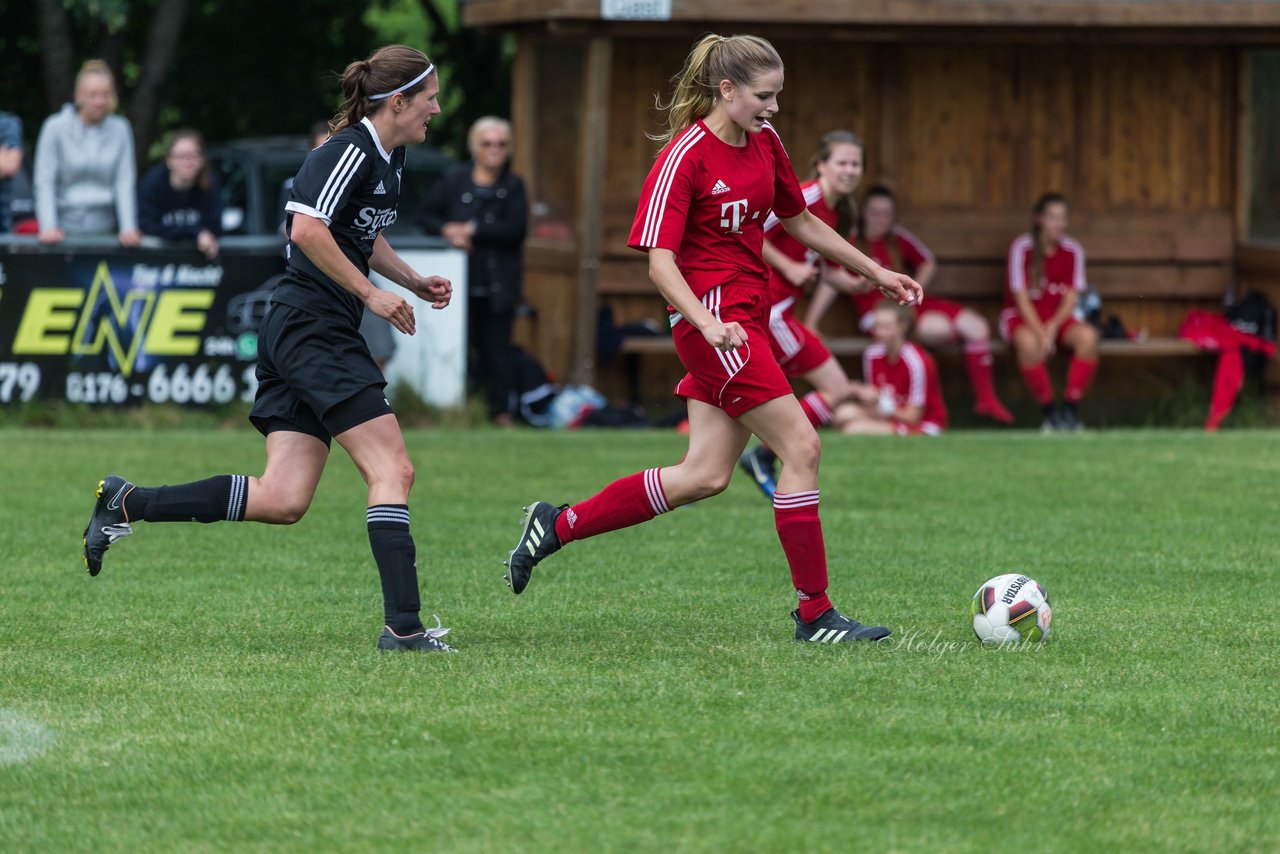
(1061,273)
(911,255)
(707,201)
(779,288)
(913,377)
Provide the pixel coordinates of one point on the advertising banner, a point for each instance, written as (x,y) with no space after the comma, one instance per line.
(113,328)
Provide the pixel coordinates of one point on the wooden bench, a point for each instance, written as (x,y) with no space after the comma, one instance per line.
(1107,348)
(1149,267)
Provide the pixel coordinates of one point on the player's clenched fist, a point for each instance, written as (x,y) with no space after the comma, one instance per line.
(436,290)
(725,336)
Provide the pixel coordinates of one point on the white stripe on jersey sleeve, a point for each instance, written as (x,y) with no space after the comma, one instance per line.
(1077,273)
(337,170)
(916,243)
(329,203)
(812,193)
(774,131)
(662,188)
(1017,263)
(299,207)
(873,352)
(919,376)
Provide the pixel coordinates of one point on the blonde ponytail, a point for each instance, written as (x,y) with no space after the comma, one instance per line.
(738,59)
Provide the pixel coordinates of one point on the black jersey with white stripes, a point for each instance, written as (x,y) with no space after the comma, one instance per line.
(352,184)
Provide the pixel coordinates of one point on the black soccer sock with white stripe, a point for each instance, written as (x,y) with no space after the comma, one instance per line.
(214,499)
(393,549)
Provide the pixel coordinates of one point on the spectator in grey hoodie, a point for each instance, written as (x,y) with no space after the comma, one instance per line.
(84,169)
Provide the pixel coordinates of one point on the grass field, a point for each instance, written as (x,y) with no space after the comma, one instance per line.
(217,687)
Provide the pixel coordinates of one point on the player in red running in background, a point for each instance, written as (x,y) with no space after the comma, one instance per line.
(1045,275)
(793,268)
(940,322)
(701,220)
(900,392)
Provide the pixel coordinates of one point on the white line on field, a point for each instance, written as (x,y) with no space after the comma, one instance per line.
(21,738)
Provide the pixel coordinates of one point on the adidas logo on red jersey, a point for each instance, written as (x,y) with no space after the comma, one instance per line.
(720,187)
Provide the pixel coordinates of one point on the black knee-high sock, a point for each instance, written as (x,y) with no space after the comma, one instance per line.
(396,555)
(215,499)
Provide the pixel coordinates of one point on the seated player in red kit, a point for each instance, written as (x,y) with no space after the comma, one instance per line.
(900,392)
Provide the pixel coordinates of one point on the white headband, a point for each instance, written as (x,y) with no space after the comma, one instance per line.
(410,84)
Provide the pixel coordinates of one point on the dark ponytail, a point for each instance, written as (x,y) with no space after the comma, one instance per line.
(1037,254)
(387,69)
(880,191)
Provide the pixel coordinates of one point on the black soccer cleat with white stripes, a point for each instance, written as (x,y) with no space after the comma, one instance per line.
(833,627)
(538,540)
(423,640)
(108,522)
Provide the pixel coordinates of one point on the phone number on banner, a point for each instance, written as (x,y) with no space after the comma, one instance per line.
(165,384)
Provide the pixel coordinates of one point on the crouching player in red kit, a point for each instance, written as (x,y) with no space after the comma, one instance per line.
(700,219)
(938,324)
(900,392)
(1046,273)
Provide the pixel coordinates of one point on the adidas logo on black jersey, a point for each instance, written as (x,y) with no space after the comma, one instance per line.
(382,191)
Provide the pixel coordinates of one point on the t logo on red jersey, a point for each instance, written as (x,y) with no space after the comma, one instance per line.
(731,215)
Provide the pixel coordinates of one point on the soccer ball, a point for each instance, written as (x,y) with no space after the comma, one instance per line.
(1011,608)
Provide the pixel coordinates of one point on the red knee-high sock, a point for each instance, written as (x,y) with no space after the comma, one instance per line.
(627,501)
(1079,376)
(1037,379)
(795,515)
(977,361)
(816,409)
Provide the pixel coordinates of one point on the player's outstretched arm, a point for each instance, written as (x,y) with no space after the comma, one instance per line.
(822,238)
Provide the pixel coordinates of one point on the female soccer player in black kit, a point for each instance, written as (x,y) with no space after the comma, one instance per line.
(316,379)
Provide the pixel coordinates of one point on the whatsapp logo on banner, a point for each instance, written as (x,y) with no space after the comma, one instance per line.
(247,346)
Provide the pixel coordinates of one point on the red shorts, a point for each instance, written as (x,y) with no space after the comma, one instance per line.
(796,349)
(741,379)
(1011,320)
(931,304)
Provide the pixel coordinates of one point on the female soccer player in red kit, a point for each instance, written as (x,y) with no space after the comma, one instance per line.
(700,219)
(837,169)
(1045,273)
(900,392)
(939,323)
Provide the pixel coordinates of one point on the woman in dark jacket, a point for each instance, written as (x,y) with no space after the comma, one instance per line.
(480,207)
(180,199)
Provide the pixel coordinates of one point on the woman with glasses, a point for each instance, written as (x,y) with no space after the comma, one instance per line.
(480,208)
(179,199)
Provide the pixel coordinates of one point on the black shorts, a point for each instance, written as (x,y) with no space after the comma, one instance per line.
(315,376)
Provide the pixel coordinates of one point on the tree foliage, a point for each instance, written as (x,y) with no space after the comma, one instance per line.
(236,68)
(475,65)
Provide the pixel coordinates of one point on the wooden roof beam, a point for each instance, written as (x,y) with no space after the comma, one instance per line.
(1251,14)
